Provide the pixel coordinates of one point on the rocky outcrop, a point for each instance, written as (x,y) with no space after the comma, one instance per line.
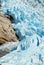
(7,33)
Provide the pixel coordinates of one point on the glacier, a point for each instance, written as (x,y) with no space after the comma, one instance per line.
(28,22)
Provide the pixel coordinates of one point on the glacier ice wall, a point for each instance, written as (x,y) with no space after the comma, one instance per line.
(28,22)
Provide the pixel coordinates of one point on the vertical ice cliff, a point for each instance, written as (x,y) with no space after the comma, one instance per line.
(28,22)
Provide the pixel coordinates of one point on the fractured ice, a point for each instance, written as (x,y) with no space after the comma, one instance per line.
(28,22)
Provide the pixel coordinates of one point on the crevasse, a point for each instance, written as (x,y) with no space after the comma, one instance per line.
(28,21)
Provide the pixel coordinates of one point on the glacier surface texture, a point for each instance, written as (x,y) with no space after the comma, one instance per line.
(28,22)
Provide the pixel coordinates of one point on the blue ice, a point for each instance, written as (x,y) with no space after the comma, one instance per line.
(28,23)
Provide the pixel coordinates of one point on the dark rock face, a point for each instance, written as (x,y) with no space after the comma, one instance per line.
(7,33)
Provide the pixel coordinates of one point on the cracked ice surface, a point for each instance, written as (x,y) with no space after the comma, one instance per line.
(28,21)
